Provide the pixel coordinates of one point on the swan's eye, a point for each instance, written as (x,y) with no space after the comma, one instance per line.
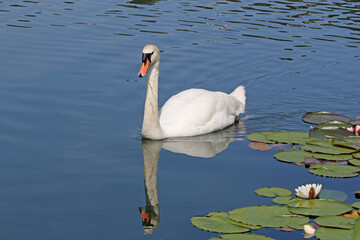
(146,56)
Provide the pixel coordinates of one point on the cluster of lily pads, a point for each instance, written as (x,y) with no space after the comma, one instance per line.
(331,148)
(334,219)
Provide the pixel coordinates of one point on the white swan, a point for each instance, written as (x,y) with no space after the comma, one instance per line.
(188,113)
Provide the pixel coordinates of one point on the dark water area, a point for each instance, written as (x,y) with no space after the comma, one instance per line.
(73,165)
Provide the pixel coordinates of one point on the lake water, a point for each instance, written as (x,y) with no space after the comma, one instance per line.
(73,165)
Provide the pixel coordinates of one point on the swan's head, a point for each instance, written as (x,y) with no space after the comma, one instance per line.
(150,55)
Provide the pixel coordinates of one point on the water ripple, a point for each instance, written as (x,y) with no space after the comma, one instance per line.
(293,30)
(234,17)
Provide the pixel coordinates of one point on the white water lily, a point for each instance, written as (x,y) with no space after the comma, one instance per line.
(308,191)
(309,231)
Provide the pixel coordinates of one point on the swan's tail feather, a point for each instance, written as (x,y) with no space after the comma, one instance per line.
(239,93)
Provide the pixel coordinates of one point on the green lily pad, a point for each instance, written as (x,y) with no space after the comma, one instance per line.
(326,150)
(318,207)
(336,221)
(356,205)
(225,217)
(273,191)
(356,231)
(297,226)
(244,236)
(295,137)
(350,142)
(292,156)
(356,155)
(325,233)
(331,157)
(332,170)
(260,137)
(321,142)
(329,133)
(333,195)
(282,200)
(267,216)
(355,122)
(323,117)
(334,125)
(355,162)
(218,222)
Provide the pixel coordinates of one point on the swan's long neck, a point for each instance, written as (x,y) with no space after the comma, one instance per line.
(151,125)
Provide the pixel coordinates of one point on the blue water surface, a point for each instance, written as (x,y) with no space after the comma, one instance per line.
(73,165)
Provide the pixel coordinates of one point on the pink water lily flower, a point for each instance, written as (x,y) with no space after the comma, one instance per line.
(355,129)
(308,191)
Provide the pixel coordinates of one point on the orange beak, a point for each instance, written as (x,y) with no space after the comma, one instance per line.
(144,67)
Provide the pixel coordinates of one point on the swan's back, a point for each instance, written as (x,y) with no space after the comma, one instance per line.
(198,111)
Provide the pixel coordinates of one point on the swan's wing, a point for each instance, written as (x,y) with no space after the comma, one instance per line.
(197,111)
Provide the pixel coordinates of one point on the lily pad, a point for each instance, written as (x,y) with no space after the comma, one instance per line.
(267,216)
(334,125)
(350,142)
(355,122)
(318,207)
(333,195)
(356,231)
(355,162)
(295,137)
(332,157)
(244,236)
(356,155)
(331,170)
(292,156)
(323,117)
(260,137)
(325,233)
(259,146)
(217,222)
(336,221)
(329,133)
(273,191)
(321,142)
(225,215)
(326,150)
(356,205)
(282,200)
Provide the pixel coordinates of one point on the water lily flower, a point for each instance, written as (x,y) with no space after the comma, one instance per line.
(309,231)
(350,129)
(308,191)
(355,129)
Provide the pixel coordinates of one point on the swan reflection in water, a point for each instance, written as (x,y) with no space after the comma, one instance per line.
(204,146)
